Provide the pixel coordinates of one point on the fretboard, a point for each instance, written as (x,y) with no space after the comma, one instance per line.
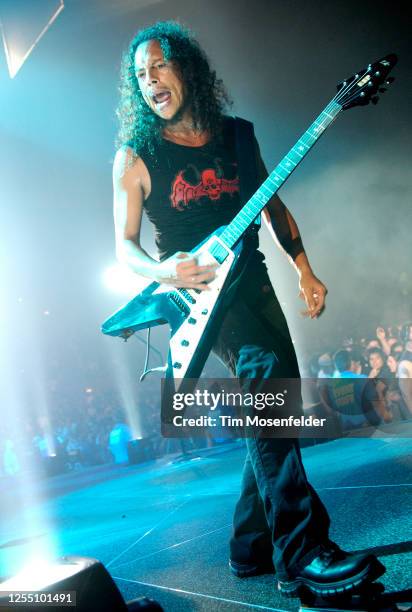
(280,174)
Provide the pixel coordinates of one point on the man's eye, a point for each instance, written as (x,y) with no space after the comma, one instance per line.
(161,65)
(140,75)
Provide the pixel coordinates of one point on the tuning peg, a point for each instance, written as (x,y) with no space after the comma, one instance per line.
(375,99)
(389,80)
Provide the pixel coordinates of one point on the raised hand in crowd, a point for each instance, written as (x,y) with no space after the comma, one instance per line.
(382,337)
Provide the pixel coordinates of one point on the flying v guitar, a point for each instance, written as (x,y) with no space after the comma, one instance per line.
(193,315)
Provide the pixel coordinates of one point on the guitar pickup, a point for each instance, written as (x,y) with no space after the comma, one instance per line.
(187,296)
(180,303)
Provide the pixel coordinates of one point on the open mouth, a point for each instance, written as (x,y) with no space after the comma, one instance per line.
(161,99)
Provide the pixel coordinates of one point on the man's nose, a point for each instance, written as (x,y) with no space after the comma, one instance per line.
(152,75)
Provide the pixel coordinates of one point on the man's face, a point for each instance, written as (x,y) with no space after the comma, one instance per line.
(355,366)
(392,364)
(375,361)
(159,80)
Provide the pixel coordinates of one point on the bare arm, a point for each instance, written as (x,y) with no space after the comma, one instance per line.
(130,182)
(131,186)
(285,232)
(381,336)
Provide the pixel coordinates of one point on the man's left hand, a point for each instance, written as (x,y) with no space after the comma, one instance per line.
(313,291)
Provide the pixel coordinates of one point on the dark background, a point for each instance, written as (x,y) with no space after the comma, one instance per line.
(280,62)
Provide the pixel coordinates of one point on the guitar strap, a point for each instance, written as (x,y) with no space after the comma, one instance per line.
(243,135)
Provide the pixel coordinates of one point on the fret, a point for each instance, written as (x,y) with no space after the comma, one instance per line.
(263,187)
(230,233)
(261,195)
(294,157)
(274,179)
(250,219)
(255,210)
(255,206)
(248,216)
(283,168)
(236,222)
(240,228)
(311,135)
(279,169)
(232,228)
(241,224)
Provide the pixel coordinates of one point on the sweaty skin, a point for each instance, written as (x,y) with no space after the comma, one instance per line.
(164,92)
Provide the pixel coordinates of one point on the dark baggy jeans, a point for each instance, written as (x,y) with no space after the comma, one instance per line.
(278,513)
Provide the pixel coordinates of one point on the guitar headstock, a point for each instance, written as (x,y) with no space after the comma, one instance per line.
(363,87)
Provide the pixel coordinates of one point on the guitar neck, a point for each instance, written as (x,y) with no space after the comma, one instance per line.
(279,176)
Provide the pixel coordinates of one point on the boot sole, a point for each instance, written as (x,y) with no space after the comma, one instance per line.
(251,570)
(294,587)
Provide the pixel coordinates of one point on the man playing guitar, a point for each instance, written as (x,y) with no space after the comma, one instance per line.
(176,162)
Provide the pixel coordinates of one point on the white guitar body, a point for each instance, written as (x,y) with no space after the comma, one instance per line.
(191,314)
(186,339)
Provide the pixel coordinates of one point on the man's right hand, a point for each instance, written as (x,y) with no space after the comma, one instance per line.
(182,270)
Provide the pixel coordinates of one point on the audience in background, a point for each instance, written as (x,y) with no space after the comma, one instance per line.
(386,360)
(90,429)
(405,367)
(377,360)
(326,366)
(347,397)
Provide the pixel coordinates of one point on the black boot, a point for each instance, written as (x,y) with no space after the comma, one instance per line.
(333,572)
(247,570)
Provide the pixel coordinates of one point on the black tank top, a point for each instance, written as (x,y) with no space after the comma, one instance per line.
(194,190)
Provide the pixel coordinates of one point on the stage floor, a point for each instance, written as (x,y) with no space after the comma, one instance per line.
(162,528)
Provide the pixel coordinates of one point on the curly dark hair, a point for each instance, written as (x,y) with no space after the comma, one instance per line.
(206,97)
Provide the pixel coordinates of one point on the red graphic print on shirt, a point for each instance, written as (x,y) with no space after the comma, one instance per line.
(210,186)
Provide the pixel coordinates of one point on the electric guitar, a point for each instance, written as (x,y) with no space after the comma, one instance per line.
(193,315)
